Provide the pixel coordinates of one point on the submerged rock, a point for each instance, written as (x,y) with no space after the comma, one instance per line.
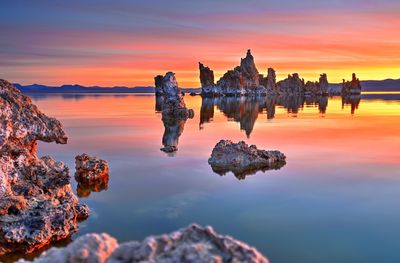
(37,204)
(91,173)
(191,244)
(242,160)
(351,87)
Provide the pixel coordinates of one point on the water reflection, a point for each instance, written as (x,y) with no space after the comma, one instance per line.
(84,190)
(353,101)
(242,174)
(245,110)
(173,128)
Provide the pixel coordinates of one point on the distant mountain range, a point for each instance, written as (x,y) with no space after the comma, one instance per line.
(367,85)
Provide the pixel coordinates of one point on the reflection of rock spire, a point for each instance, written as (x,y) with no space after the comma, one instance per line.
(174,112)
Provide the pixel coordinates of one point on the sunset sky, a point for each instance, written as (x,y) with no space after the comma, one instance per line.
(126,43)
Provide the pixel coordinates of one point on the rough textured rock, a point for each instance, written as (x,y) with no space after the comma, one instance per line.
(242,78)
(174,112)
(292,84)
(249,71)
(90,248)
(191,244)
(206,76)
(37,204)
(317,88)
(269,82)
(351,87)
(90,170)
(242,160)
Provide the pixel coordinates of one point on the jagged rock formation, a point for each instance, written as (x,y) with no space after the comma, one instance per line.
(241,79)
(242,160)
(174,112)
(37,204)
(292,84)
(245,79)
(206,76)
(351,87)
(269,82)
(191,244)
(249,72)
(317,88)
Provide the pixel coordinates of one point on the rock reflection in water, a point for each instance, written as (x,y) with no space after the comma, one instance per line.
(352,100)
(245,109)
(173,128)
(169,101)
(84,190)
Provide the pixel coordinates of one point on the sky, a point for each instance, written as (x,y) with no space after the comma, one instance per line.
(114,43)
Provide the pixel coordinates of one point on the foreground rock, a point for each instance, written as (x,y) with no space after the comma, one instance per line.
(352,87)
(191,244)
(37,204)
(242,160)
(174,112)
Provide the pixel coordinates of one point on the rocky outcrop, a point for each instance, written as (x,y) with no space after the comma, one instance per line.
(292,84)
(174,113)
(317,88)
(246,80)
(269,82)
(37,204)
(249,72)
(351,87)
(242,160)
(242,79)
(191,244)
(206,76)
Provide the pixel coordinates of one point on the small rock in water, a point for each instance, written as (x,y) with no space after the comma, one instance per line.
(90,170)
(242,160)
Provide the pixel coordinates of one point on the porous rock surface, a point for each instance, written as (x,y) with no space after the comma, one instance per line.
(90,170)
(191,244)
(37,204)
(242,160)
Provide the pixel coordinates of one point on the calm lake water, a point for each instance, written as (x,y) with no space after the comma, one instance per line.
(336,200)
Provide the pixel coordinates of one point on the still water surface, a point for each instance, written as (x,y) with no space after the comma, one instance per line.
(336,200)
